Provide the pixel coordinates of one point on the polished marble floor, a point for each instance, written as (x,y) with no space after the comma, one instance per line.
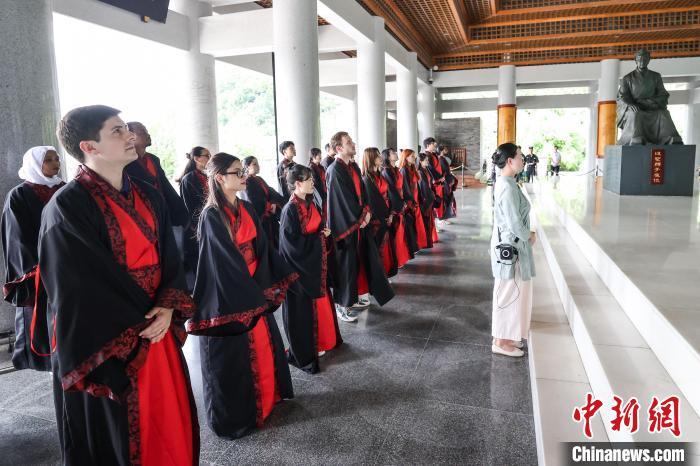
(654,240)
(414,383)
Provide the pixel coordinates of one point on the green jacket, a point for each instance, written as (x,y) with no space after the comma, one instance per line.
(511,214)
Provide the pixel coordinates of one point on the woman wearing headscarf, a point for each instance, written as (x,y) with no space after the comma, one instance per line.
(308,312)
(193,190)
(240,282)
(21,218)
(398,206)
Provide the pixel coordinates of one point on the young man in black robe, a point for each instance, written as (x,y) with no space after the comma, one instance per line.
(359,270)
(116,291)
(288,152)
(21,219)
(147,168)
(329,158)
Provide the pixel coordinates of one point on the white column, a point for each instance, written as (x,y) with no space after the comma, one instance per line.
(693,128)
(371,94)
(296,73)
(590,162)
(28,95)
(355,130)
(426,111)
(609,79)
(407,105)
(198,121)
(506,85)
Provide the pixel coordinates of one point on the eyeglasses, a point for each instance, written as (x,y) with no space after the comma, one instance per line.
(239,173)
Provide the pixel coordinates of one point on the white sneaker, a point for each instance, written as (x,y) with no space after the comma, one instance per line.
(344,315)
(321,353)
(516,353)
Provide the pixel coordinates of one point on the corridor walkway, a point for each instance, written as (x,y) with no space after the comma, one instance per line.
(414,383)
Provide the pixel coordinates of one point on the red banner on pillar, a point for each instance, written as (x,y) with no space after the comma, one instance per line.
(658,159)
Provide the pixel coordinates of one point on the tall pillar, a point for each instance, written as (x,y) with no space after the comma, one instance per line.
(693,128)
(592,146)
(355,129)
(407,105)
(607,105)
(296,73)
(507,108)
(198,124)
(28,95)
(371,95)
(426,111)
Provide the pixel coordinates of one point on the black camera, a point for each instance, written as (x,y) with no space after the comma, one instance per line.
(506,254)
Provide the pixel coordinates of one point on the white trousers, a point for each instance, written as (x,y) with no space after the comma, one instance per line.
(512,308)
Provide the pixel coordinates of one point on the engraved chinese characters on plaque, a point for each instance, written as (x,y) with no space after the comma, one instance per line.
(658,157)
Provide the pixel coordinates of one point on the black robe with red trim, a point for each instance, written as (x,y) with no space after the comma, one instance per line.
(327,162)
(282,170)
(21,219)
(193,190)
(320,194)
(346,211)
(448,200)
(409,214)
(427,205)
(380,206)
(263,197)
(233,309)
(148,169)
(99,301)
(308,311)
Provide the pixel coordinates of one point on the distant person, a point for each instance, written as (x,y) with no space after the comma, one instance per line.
(329,158)
(512,262)
(556,161)
(531,161)
(147,168)
(265,200)
(288,151)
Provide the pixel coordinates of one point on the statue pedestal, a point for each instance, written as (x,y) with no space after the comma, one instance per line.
(649,170)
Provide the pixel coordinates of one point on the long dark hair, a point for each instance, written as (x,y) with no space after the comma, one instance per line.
(314,152)
(368,157)
(248,160)
(386,155)
(196,151)
(503,153)
(298,172)
(218,165)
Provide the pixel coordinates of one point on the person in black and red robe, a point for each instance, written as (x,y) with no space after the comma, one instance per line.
(193,190)
(414,220)
(329,158)
(265,200)
(450,205)
(240,282)
(21,219)
(358,267)
(319,176)
(435,169)
(309,318)
(288,151)
(115,287)
(147,168)
(377,189)
(427,200)
(393,175)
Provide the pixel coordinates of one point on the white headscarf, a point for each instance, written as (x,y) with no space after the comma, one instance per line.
(31,167)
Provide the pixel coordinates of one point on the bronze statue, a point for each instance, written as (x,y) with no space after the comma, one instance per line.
(642,115)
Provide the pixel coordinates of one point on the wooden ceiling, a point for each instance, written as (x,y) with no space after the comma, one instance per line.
(462,34)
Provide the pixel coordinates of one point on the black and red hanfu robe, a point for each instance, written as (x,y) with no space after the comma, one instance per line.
(398,207)
(377,189)
(412,194)
(308,311)
(148,169)
(282,170)
(409,213)
(320,194)
(107,258)
(21,219)
(194,191)
(262,197)
(358,267)
(327,161)
(427,205)
(240,282)
(448,200)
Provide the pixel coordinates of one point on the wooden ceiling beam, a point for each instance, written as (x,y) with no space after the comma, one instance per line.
(564,47)
(587,16)
(572,35)
(459,13)
(417,44)
(494,7)
(572,6)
